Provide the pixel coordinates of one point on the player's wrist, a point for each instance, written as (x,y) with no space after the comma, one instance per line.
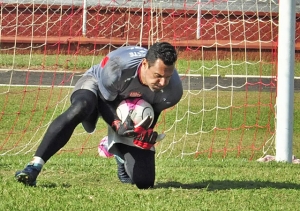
(143,145)
(146,140)
(116,124)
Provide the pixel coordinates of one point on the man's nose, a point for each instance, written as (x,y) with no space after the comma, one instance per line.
(162,82)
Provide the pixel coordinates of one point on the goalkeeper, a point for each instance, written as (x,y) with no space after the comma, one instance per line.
(126,72)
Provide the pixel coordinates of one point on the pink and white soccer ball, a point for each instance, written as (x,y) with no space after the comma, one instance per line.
(103,148)
(141,109)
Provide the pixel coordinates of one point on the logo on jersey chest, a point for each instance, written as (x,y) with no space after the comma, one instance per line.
(135,94)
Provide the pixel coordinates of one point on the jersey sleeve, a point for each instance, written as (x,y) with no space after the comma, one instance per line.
(116,68)
(174,97)
(110,79)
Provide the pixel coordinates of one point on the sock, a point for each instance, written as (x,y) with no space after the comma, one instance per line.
(37,162)
(119,159)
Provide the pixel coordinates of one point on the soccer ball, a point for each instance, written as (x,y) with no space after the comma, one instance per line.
(103,148)
(140,110)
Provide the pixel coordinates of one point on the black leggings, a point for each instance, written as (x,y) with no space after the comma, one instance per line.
(139,165)
(83,107)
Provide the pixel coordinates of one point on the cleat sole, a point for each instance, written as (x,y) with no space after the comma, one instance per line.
(23,178)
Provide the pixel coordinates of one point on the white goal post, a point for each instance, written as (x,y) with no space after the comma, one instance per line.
(285,81)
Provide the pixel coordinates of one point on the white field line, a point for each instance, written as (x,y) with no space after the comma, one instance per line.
(41,71)
(190,75)
(252,76)
(46,86)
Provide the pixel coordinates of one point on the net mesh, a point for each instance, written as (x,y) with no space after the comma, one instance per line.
(227,62)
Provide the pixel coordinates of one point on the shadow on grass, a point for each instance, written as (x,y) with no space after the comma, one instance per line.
(212,185)
(54,185)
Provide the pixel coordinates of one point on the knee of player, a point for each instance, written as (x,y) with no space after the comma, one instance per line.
(79,109)
(144,185)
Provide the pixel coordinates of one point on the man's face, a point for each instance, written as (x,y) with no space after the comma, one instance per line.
(158,75)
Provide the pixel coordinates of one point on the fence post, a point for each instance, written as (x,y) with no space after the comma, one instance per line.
(84,14)
(199,16)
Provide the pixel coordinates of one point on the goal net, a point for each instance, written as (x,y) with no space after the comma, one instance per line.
(227,62)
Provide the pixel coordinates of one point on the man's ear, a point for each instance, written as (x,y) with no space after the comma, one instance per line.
(145,64)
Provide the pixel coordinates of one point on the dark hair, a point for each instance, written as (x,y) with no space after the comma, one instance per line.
(161,50)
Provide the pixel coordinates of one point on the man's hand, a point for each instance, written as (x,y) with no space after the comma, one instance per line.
(146,139)
(124,129)
(128,129)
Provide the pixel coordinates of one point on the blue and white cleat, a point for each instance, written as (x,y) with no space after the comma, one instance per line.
(122,174)
(28,175)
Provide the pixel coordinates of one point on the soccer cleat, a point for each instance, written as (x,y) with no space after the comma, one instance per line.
(28,175)
(122,174)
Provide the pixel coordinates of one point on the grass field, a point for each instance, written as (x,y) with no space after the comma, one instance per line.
(74,181)
(70,181)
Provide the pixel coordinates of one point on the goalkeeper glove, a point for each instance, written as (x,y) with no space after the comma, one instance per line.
(146,139)
(128,129)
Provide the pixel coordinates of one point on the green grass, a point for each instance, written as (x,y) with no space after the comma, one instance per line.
(72,182)
(196,126)
(82,63)
(85,181)
(78,179)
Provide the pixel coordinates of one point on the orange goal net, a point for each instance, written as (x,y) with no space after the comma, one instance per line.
(227,61)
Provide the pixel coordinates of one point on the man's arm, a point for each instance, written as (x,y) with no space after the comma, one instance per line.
(156,116)
(107,110)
